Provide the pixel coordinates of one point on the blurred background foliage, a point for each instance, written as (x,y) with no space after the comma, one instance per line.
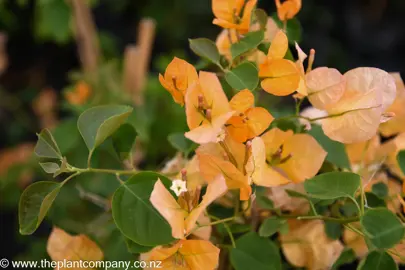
(41,65)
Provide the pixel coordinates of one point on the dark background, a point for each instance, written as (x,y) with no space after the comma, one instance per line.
(344,33)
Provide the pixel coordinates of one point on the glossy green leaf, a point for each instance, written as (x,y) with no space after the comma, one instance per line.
(46,146)
(244,76)
(135,247)
(382,227)
(380,189)
(401,160)
(347,256)
(247,43)
(35,202)
(333,185)
(98,123)
(271,225)
(181,143)
(205,48)
(135,215)
(123,140)
(49,167)
(378,260)
(336,150)
(255,252)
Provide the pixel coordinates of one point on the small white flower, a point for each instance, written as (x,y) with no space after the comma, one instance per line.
(178,186)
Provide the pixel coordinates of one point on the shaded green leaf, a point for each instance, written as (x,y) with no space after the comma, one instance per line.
(347,256)
(46,146)
(401,160)
(181,143)
(244,76)
(336,150)
(264,202)
(135,247)
(98,123)
(49,167)
(35,202)
(271,225)
(247,43)
(135,215)
(333,229)
(123,140)
(255,252)
(382,227)
(378,260)
(205,48)
(380,189)
(333,185)
(261,17)
(293,28)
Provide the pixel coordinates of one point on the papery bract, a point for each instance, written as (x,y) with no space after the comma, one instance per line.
(356,116)
(183,221)
(248,122)
(288,9)
(179,75)
(280,76)
(325,87)
(202,98)
(63,246)
(185,255)
(396,124)
(228,14)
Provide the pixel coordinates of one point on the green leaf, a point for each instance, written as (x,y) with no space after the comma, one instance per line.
(380,189)
(123,140)
(50,167)
(135,247)
(98,123)
(373,200)
(347,256)
(205,48)
(135,215)
(244,76)
(401,160)
(382,227)
(249,42)
(35,202)
(254,252)
(378,260)
(181,143)
(46,146)
(264,202)
(271,225)
(336,150)
(333,185)
(53,21)
(293,28)
(333,229)
(261,17)
(264,47)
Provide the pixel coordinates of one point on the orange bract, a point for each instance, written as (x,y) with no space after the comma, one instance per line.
(247,122)
(228,14)
(179,75)
(281,77)
(288,9)
(183,221)
(185,255)
(207,109)
(63,246)
(80,94)
(292,157)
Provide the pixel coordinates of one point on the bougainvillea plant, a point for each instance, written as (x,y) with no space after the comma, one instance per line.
(313,189)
